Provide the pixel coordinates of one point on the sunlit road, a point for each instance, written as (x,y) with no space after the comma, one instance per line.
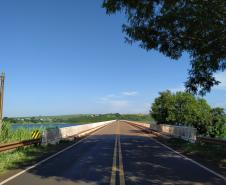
(117,154)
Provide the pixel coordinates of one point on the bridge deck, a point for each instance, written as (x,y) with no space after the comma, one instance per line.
(117,154)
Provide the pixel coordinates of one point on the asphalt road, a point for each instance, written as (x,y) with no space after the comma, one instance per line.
(117,154)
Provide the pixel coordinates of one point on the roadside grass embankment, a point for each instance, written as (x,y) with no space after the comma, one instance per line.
(211,155)
(16,158)
(25,156)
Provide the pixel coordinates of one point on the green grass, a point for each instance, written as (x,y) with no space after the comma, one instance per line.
(26,156)
(7,135)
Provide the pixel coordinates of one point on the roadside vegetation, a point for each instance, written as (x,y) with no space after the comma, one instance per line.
(8,135)
(79,118)
(182,108)
(225,131)
(26,156)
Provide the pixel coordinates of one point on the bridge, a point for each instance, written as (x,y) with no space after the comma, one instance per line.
(117,154)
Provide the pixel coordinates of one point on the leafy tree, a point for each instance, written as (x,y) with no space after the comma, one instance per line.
(197,27)
(162,108)
(218,121)
(183,109)
(201,119)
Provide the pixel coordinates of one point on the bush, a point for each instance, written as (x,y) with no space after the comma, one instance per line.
(183,108)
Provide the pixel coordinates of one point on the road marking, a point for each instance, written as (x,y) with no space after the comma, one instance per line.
(117,155)
(48,158)
(183,156)
(114,163)
(121,170)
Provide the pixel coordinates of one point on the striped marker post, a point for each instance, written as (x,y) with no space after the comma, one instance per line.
(36,134)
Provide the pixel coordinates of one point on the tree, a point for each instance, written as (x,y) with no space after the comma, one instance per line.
(201,119)
(182,108)
(197,27)
(162,108)
(218,121)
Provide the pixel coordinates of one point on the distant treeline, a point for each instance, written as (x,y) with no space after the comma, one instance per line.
(81,118)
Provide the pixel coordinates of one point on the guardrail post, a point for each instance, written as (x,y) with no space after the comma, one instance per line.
(44,141)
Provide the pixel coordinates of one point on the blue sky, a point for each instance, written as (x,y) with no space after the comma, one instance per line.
(69,57)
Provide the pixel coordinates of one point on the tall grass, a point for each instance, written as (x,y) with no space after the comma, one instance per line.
(8,135)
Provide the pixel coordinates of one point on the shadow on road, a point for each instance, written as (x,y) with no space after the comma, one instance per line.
(145,162)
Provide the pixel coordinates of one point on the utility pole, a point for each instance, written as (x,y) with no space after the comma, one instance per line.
(2,80)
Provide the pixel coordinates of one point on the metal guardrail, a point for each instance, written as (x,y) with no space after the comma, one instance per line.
(211,140)
(10,146)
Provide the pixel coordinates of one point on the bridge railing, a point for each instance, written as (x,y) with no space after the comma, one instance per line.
(183,132)
(54,135)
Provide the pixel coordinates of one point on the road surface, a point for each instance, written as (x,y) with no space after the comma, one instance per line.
(117,154)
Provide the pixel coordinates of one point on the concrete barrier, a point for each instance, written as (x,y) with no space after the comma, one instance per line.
(54,135)
(147,125)
(183,132)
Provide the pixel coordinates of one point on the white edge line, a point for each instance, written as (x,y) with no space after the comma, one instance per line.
(187,158)
(46,159)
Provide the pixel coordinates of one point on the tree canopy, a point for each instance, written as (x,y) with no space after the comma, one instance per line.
(182,108)
(197,27)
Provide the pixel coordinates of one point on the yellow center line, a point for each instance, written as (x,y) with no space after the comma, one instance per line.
(117,154)
(114,167)
(121,170)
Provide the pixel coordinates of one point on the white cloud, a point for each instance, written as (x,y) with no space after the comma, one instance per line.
(122,103)
(108,97)
(222,78)
(130,93)
(118,104)
(112,104)
(123,106)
